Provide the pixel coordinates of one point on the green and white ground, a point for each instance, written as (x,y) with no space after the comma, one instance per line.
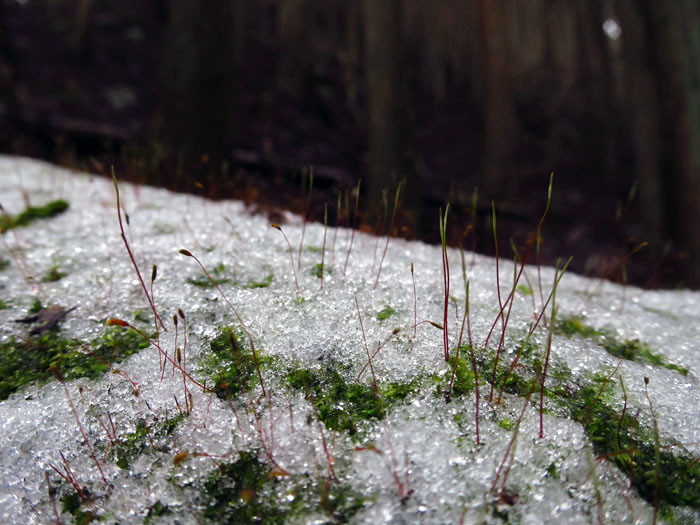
(276,417)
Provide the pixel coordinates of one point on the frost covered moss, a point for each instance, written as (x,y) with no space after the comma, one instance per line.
(629,349)
(342,406)
(25,360)
(33,213)
(248,491)
(232,366)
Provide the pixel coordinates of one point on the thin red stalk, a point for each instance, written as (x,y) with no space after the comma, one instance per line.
(511,444)
(235,312)
(52,498)
(354,226)
(657,455)
(291,257)
(306,215)
(323,249)
(466,319)
(329,457)
(337,223)
(125,324)
(549,348)
(415,304)
(445,279)
(529,335)
(388,233)
(600,392)
(522,268)
(59,376)
(379,347)
(380,228)
(364,339)
(131,255)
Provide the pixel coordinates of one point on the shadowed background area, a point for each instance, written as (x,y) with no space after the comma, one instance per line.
(240,99)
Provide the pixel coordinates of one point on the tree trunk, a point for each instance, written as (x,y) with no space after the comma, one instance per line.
(198,88)
(675,27)
(499,116)
(386,127)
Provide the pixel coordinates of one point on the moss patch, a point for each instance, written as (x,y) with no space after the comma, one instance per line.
(217,273)
(247,491)
(629,349)
(635,350)
(54,274)
(33,213)
(27,360)
(343,406)
(231,365)
(129,447)
(385,313)
(266,282)
(622,440)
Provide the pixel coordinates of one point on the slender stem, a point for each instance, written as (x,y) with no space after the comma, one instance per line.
(388,233)
(131,255)
(354,226)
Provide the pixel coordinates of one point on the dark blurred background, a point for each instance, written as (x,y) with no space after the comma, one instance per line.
(238,99)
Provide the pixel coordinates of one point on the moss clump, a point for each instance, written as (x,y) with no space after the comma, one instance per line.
(217,273)
(247,491)
(4,263)
(265,283)
(33,213)
(27,360)
(343,406)
(620,439)
(71,503)
(629,349)
(319,269)
(571,326)
(54,274)
(129,447)
(155,511)
(232,364)
(233,493)
(340,406)
(635,350)
(463,382)
(385,313)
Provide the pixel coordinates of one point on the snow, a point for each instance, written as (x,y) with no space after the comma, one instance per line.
(424,445)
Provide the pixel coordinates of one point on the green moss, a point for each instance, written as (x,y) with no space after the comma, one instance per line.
(506,424)
(247,491)
(36,306)
(318,270)
(217,273)
(463,382)
(155,511)
(131,446)
(4,264)
(342,406)
(523,289)
(571,326)
(27,360)
(33,213)
(385,313)
(267,281)
(233,493)
(71,503)
(630,349)
(231,364)
(635,350)
(622,440)
(54,274)
(4,305)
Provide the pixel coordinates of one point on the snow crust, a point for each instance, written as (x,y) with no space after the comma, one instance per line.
(433,452)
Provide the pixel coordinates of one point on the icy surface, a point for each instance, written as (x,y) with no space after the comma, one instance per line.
(419,464)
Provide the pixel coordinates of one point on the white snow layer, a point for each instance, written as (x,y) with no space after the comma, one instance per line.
(430,469)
